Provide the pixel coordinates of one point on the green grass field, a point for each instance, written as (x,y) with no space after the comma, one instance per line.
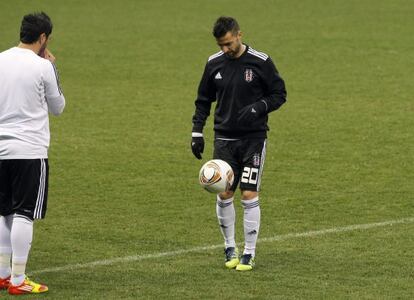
(123,181)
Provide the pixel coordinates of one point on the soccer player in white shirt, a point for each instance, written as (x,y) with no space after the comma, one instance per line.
(29,90)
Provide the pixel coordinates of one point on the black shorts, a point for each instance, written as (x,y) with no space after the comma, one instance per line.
(246,157)
(23,187)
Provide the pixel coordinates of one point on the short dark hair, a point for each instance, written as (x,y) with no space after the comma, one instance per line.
(224,25)
(33,25)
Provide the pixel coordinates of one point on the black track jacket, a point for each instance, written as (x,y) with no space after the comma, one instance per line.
(235,83)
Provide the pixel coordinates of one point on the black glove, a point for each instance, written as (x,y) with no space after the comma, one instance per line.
(252,112)
(197,146)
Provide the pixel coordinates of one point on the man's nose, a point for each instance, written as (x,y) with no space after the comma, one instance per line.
(225,49)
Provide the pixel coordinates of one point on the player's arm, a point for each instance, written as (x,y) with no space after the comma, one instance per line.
(54,95)
(205,96)
(276,93)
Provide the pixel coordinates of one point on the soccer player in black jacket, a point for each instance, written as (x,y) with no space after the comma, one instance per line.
(247,87)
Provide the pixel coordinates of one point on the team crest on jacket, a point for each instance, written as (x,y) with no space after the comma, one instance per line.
(248,75)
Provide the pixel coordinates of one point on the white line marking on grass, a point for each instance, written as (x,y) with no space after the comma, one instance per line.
(133,258)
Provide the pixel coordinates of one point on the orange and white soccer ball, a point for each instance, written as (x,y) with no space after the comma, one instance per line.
(216,176)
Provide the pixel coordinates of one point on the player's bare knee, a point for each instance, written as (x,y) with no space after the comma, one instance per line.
(249,195)
(226,195)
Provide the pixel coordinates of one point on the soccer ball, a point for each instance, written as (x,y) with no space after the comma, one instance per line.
(216,176)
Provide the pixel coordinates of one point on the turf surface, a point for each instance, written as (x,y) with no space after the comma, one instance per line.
(123,181)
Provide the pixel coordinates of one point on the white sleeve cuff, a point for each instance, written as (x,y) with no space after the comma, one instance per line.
(56,104)
(196,134)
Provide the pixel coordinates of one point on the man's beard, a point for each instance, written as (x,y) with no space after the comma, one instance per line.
(232,54)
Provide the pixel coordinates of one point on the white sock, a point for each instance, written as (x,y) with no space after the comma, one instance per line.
(251,222)
(5,245)
(226,216)
(21,241)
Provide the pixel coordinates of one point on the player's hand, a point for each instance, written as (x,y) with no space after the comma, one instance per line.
(46,54)
(197,146)
(251,112)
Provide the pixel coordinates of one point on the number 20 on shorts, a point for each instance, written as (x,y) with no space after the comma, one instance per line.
(250,175)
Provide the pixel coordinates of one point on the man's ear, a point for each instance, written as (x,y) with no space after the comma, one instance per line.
(42,38)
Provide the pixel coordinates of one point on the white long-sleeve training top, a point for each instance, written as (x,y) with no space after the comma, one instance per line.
(29,90)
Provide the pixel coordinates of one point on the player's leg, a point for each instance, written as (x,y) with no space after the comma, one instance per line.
(30,181)
(21,239)
(5,225)
(225,211)
(253,161)
(5,251)
(251,225)
(226,216)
